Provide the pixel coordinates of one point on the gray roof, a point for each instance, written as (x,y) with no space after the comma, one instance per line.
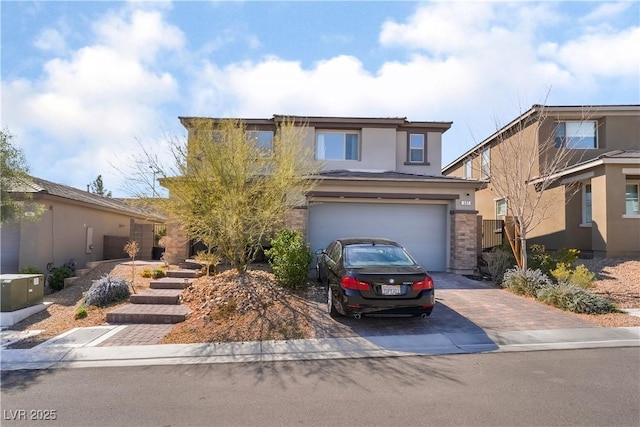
(390,175)
(621,154)
(41,186)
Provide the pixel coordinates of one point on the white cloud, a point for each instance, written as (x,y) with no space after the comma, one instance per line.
(465,61)
(610,54)
(103,94)
(606,10)
(52,40)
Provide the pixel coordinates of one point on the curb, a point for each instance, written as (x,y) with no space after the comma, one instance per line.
(67,352)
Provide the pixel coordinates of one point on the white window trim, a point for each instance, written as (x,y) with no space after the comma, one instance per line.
(625,214)
(506,208)
(423,149)
(583,207)
(345,133)
(485,172)
(595,136)
(468,169)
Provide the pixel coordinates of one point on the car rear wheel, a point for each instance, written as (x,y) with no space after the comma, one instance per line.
(330,307)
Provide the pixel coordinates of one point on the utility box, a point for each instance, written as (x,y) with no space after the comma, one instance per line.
(21,290)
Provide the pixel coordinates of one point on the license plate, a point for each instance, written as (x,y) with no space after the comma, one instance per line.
(390,289)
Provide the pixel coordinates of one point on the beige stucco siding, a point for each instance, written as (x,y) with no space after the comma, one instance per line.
(623,234)
(61,235)
(378,149)
(620,133)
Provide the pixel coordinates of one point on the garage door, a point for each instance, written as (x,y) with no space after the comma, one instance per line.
(421,229)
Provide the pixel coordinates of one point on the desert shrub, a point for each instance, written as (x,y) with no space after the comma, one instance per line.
(107,290)
(81,312)
(525,282)
(289,258)
(30,270)
(498,261)
(210,259)
(580,276)
(146,273)
(576,299)
(540,259)
(158,273)
(57,276)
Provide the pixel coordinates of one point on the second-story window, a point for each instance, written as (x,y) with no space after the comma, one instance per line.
(337,146)
(485,164)
(416,148)
(262,138)
(468,171)
(576,134)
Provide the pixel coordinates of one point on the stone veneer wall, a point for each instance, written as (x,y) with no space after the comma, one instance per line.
(297,219)
(177,245)
(464,246)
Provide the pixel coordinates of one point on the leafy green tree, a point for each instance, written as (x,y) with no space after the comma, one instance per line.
(233,193)
(14,175)
(97,187)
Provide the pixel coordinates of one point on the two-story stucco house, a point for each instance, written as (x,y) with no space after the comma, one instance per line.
(381,177)
(600,218)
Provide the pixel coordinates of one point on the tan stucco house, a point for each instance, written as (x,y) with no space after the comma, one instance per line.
(381,177)
(602,217)
(76,226)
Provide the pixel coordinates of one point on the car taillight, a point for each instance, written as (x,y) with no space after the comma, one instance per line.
(423,285)
(354,284)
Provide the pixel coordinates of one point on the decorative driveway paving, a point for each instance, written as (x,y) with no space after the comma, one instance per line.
(462,306)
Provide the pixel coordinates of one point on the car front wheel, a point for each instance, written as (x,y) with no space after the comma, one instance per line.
(330,307)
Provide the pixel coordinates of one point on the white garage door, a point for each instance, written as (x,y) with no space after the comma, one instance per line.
(421,229)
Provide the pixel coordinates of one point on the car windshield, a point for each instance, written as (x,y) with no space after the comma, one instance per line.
(376,255)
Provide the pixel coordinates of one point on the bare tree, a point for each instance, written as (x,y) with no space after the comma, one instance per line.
(525,163)
(230,192)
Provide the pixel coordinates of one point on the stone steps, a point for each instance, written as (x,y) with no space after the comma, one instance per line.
(160,304)
(148,313)
(170,283)
(157,296)
(184,273)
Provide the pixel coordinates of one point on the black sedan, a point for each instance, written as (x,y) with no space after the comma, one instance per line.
(367,275)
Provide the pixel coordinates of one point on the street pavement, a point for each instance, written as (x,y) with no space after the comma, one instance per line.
(470,317)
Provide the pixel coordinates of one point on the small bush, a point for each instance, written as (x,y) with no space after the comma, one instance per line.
(210,259)
(580,276)
(30,270)
(289,258)
(146,273)
(540,259)
(107,290)
(573,298)
(158,273)
(525,282)
(498,261)
(57,276)
(81,312)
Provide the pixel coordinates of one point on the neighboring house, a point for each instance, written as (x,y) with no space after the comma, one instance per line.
(602,217)
(75,226)
(381,177)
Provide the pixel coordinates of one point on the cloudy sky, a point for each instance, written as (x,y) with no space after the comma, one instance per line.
(85,83)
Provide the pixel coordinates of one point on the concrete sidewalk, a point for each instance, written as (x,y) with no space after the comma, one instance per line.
(80,348)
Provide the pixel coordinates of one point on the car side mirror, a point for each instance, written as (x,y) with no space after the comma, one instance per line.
(320,252)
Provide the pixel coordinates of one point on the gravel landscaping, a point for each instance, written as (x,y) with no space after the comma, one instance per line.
(225,308)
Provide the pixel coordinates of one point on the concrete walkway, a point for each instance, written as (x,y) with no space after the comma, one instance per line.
(80,348)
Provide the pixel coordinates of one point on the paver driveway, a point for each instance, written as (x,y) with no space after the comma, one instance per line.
(462,305)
